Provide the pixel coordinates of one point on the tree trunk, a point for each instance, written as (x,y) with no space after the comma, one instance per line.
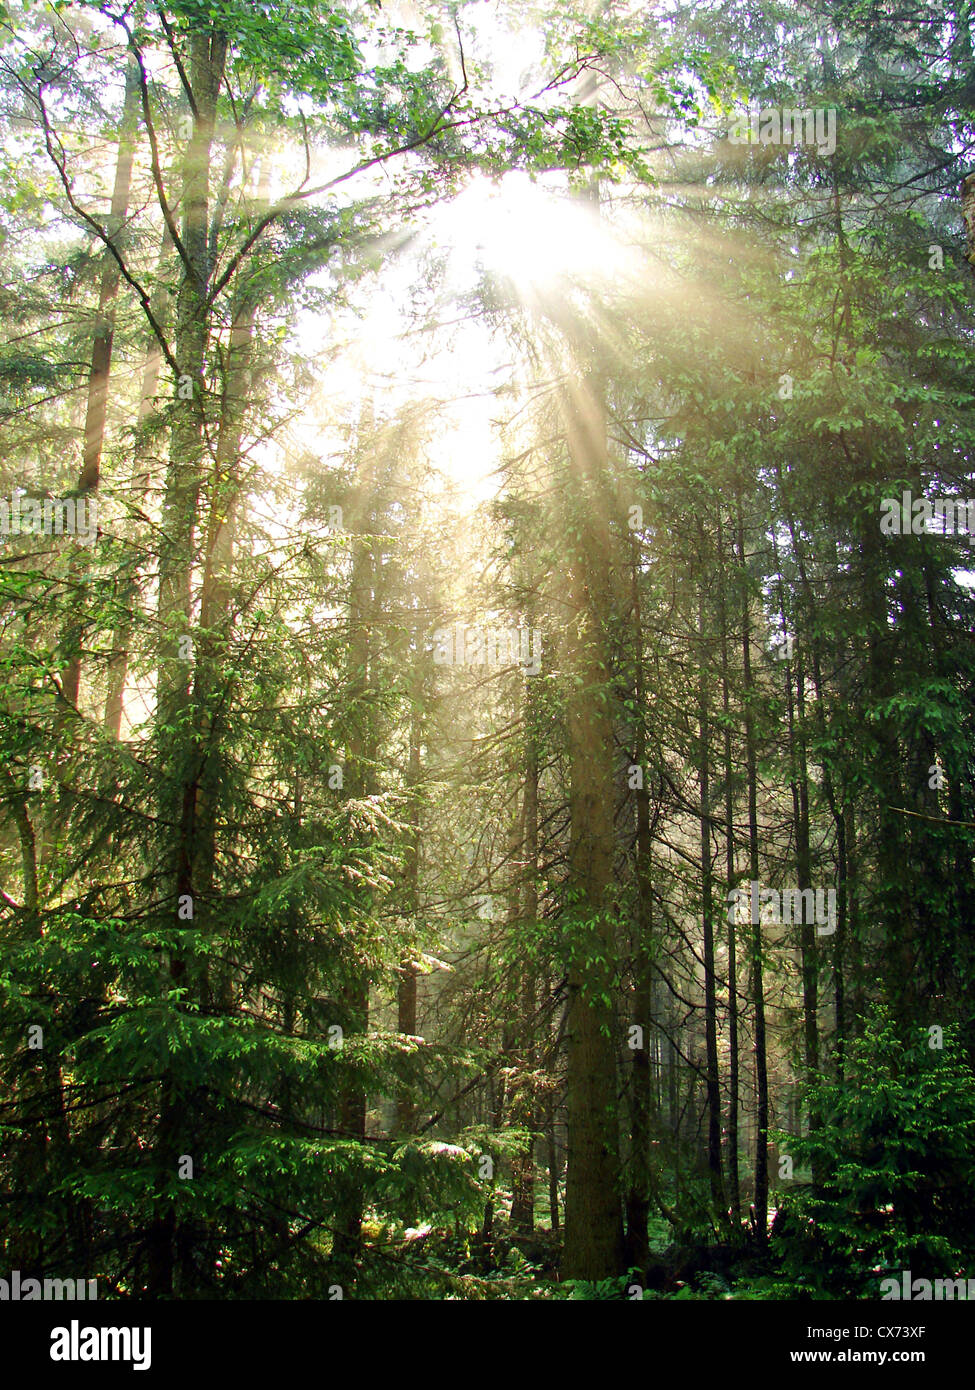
(101,349)
(593,1218)
(118,663)
(641,1107)
(760,1212)
(707,913)
(734,1181)
(523,1176)
(406,984)
(177,554)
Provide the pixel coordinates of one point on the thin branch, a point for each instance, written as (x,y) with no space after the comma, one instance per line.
(155,165)
(170,39)
(937,820)
(101,234)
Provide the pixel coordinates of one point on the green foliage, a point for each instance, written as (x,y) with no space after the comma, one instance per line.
(893,1158)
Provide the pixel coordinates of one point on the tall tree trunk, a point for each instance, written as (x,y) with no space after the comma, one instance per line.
(641,1107)
(553,1169)
(734,1180)
(707,913)
(593,1215)
(760,1214)
(406,984)
(359,783)
(101,348)
(40,1154)
(799,791)
(211,695)
(118,663)
(177,554)
(523,1176)
(801,812)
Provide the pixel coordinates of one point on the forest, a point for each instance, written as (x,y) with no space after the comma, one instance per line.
(487,689)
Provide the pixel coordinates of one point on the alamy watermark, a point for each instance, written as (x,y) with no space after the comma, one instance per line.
(460,645)
(925,1290)
(915,516)
(770,125)
(21,515)
(782,907)
(18,1290)
(77,1343)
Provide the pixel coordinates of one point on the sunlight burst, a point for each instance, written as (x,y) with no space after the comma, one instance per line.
(531,234)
